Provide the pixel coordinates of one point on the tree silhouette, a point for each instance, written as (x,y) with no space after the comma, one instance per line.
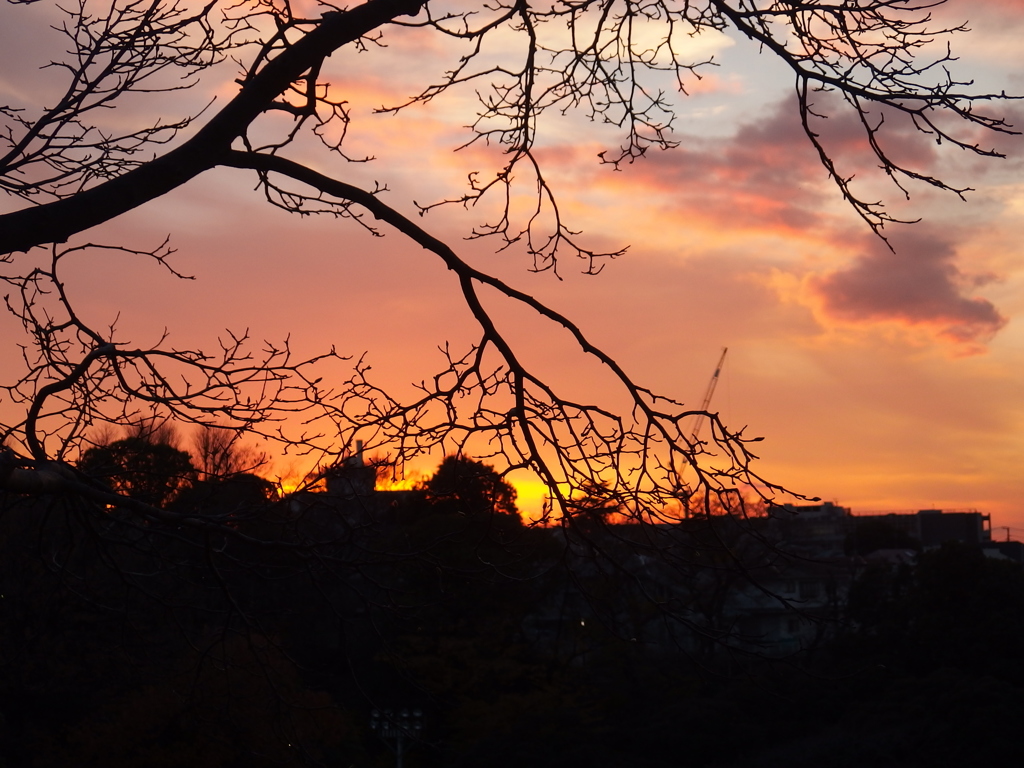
(154,473)
(219,454)
(595,505)
(69,172)
(471,488)
(300,567)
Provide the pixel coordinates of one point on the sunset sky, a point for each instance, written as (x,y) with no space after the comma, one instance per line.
(881,380)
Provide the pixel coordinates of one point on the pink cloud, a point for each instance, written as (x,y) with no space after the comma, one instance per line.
(917,285)
(765,176)
(767,180)
(768,175)
(982,14)
(712,83)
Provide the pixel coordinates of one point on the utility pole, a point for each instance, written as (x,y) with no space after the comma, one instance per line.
(397,729)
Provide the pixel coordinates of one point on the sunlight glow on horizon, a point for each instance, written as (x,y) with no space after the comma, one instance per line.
(863,371)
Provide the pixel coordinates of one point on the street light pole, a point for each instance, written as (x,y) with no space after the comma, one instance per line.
(397,729)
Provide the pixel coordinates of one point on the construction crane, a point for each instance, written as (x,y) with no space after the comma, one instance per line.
(709,394)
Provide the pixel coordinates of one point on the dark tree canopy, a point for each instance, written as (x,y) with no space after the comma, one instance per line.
(154,473)
(241,492)
(471,488)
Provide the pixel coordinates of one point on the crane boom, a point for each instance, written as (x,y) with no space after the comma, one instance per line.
(709,393)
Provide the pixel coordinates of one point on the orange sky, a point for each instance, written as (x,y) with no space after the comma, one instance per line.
(880,380)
